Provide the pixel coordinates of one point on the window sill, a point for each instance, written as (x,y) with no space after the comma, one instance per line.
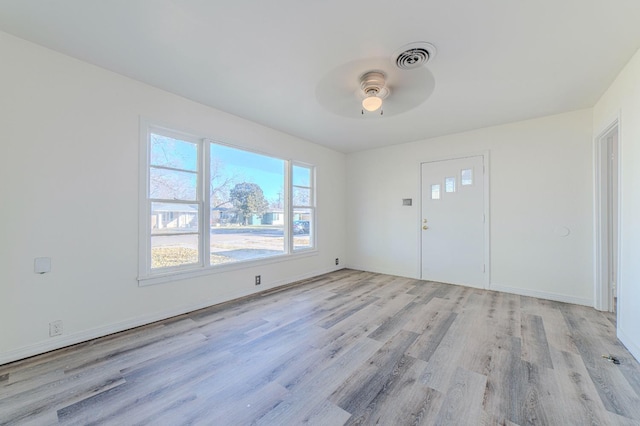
(177,275)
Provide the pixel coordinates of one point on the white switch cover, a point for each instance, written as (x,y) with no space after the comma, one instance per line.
(42,265)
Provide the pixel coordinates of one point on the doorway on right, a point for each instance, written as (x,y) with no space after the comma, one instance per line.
(607,176)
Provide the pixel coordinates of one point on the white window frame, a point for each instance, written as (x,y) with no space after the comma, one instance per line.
(311,206)
(148,276)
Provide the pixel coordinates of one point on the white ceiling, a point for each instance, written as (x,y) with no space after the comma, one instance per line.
(498,61)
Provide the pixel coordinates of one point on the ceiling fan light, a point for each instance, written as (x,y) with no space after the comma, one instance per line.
(371,103)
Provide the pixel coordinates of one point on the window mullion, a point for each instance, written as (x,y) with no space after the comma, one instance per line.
(172,201)
(236,237)
(205,195)
(173,169)
(173,234)
(144,233)
(288,208)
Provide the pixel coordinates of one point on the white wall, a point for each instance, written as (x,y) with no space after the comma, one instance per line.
(69,190)
(540,179)
(622,100)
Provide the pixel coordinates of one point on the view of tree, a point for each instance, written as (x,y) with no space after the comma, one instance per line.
(172,165)
(220,184)
(301,196)
(173,174)
(277,202)
(249,199)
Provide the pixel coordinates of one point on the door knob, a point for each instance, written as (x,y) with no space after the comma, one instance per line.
(425,227)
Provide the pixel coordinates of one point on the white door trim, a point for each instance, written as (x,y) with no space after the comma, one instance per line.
(602,293)
(487,221)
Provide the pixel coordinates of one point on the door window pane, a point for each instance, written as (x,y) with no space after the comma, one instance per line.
(435,192)
(466,177)
(450,184)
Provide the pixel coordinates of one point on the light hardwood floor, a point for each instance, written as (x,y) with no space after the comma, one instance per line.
(348,347)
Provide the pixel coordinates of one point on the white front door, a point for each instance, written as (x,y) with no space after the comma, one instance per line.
(453,222)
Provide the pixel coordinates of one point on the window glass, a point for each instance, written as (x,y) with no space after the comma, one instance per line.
(173,153)
(210,204)
(303,207)
(174,226)
(301,176)
(466,177)
(435,192)
(168,218)
(174,251)
(302,226)
(247,205)
(171,184)
(301,196)
(174,235)
(450,184)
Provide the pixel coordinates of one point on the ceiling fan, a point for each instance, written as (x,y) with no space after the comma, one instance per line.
(379,85)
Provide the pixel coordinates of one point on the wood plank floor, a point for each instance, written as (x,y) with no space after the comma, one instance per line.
(348,347)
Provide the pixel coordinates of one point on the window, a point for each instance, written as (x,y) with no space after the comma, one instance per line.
(303,206)
(466,177)
(173,201)
(246,198)
(205,205)
(450,184)
(435,192)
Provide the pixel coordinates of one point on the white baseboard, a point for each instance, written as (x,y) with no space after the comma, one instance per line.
(402,274)
(85,335)
(631,346)
(496,287)
(542,295)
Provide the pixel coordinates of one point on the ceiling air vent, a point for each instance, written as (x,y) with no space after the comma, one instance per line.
(414,55)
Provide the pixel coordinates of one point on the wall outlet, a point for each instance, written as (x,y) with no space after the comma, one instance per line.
(55,328)
(337,261)
(257,279)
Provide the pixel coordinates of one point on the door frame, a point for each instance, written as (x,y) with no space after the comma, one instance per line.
(485,154)
(602,291)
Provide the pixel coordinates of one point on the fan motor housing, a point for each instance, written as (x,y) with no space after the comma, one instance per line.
(374,83)
(372,80)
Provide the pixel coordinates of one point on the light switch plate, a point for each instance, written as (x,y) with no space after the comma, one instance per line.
(42,265)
